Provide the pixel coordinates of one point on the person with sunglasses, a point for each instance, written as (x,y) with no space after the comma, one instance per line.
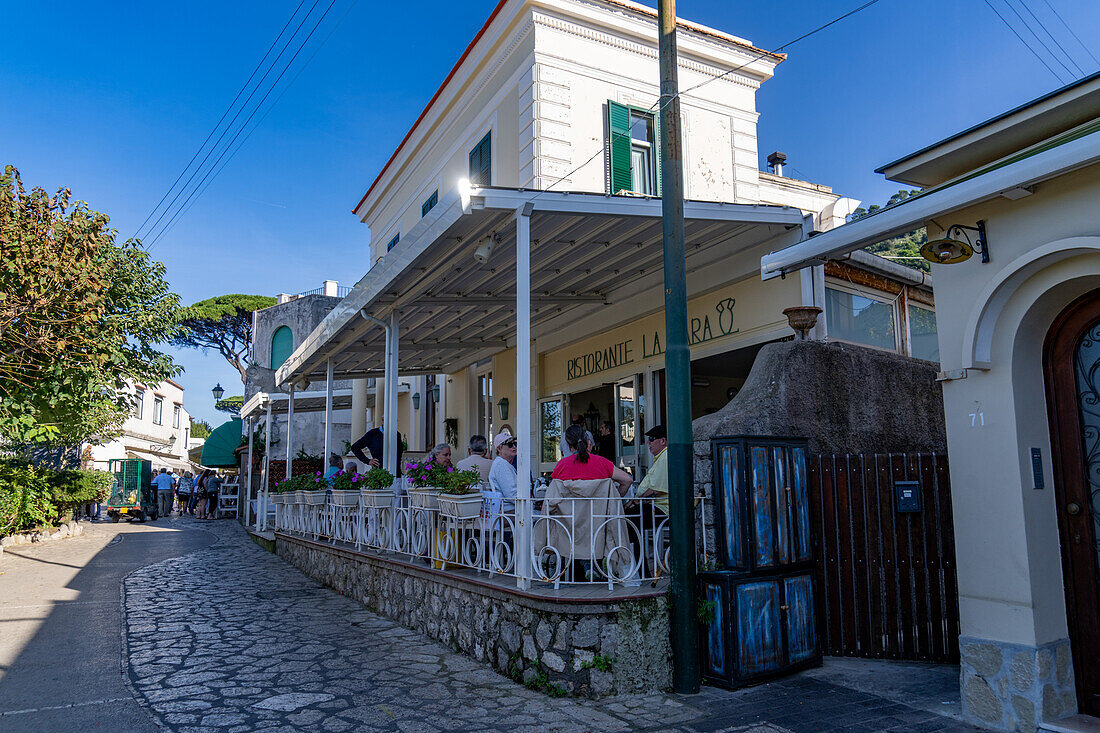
(503,475)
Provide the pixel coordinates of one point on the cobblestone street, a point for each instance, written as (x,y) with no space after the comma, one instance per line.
(232,638)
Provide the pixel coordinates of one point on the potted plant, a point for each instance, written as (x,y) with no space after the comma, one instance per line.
(460,495)
(425,481)
(345,488)
(376,488)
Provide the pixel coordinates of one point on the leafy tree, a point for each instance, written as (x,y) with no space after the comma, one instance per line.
(79,316)
(904,248)
(223,323)
(231,405)
(200,428)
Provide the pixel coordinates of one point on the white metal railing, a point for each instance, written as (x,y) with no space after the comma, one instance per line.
(573,540)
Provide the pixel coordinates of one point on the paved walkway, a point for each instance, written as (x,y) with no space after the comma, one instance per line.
(232,638)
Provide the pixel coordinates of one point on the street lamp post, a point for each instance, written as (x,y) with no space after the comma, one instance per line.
(217,392)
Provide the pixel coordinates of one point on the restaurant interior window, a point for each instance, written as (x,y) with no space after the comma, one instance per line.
(923,339)
(634,153)
(139,404)
(175,416)
(393,242)
(158,410)
(860,318)
(481,162)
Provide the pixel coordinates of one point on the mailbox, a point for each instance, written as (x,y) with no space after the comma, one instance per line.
(907,496)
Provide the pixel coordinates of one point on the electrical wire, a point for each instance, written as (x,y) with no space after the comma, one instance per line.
(241,129)
(260,121)
(1038,40)
(220,120)
(713,78)
(1071,31)
(1026,44)
(1055,41)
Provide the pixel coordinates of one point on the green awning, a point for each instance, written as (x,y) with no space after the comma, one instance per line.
(218,450)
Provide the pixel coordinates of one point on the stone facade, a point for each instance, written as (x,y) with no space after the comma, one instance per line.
(1013,687)
(571,646)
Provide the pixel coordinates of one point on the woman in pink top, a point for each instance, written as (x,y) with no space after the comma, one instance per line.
(582,465)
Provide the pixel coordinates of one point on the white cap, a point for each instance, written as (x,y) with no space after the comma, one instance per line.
(501,439)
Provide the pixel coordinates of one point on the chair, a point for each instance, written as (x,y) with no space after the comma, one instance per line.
(584,521)
(227,499)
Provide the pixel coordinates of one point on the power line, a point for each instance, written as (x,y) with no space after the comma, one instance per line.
(714,78)
(1026,44)
(220,120)
(1055,41)
(1071,31)
(227,129)
(1038,40)
(260,121)
(241,129)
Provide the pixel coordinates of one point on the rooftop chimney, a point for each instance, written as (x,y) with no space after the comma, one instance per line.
(776,161)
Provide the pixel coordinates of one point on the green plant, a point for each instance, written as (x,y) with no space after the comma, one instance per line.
(460,483)
(302,455)
(70,489)
(540,682)
(422,474)
(348,481)
(24,497)
(377,479)
(707,611)
(303,482)
(602,662)
(347,448)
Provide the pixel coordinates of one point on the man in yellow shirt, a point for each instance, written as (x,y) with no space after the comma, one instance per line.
(655,483)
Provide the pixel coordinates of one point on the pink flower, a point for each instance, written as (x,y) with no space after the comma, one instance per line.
(317,474)
(450,470)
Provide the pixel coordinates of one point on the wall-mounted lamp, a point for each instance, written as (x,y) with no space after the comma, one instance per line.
(950,249)
(217,392)
(435,393)
(502,408)
(416,400)
(484,249)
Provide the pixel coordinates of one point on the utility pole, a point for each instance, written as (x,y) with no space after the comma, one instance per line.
(681,498)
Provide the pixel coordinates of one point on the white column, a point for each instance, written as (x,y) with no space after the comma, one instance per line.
(289,428)
(328,412)
(261,499)
(523,394)
(246,496)
(391,416)
(358,408)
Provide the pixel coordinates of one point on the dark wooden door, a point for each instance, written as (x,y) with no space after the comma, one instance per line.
(1072,365)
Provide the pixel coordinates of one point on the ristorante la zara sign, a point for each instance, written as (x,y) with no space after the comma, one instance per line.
(706,327)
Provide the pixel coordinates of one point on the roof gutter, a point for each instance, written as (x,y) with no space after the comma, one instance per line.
(884,266)
(1076,152)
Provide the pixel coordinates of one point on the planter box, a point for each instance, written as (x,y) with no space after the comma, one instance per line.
(424,498)
(379,498)
(467,506)
(315,498)
(300,497)
(345,498)
(278,498)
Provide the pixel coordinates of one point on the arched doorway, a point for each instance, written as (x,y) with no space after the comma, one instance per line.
(1071,363)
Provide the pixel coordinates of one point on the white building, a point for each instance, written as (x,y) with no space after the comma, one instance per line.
(158,430)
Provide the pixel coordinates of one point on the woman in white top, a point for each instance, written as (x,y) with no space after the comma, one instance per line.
(503,476)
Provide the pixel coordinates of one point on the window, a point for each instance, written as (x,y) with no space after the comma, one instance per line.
(481,162)
(634,153)
(429,203)
(158,410)
(852,316)
(139,404)
(923,340)
(282,345)
(393,242)
(175,416)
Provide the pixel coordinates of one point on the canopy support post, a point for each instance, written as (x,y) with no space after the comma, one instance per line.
(289,428)
(390,419)
(261,499)
(245,497)
(328,413)
(523,396)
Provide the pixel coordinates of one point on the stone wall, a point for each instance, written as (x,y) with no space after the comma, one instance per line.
(1013,687)
(560,647)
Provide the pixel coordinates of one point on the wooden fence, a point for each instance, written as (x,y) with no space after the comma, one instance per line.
(886,579)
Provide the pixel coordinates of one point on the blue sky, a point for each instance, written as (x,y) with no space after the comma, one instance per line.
(112,99)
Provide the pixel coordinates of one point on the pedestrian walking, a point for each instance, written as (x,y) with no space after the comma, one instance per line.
(184,487)
(164,485)
(213,489)
(198,494)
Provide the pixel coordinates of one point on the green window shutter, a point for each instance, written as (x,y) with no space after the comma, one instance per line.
(618,127)
(282,345)
(481,162)
(657,150)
